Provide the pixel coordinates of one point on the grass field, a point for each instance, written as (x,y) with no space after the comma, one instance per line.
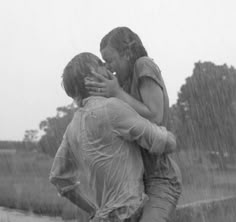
(24,185)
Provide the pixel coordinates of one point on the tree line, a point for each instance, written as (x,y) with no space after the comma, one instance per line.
(203,118)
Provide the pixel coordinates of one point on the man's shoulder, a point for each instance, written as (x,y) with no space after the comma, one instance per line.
(94,102)
(113,100)
(113,104)
(119,107)
(103,105)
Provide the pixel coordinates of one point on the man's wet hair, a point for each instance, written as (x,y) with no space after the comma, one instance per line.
(76,71)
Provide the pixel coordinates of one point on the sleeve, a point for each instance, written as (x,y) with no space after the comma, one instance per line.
(145,67)
(63,175)
(63,171)
(129,125)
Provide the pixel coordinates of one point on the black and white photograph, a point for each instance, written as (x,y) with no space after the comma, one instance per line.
(118,111)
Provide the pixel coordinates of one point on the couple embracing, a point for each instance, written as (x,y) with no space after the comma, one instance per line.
(113,161)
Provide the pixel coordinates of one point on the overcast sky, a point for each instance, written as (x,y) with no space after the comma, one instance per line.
(39,37)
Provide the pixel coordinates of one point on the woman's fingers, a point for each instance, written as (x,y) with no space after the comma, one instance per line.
(98,76)
(94,84)
(94,89)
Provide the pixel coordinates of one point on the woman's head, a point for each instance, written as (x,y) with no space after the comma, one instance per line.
(77,70)
(120,48)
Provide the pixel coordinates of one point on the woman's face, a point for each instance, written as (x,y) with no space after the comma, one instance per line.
(116,63)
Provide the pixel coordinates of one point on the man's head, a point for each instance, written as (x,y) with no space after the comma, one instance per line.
(77,70)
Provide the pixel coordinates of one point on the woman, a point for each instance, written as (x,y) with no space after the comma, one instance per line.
(143,88)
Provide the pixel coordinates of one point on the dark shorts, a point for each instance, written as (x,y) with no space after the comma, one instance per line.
(163,198)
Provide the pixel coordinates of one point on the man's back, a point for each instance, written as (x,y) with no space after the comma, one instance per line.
(109,168)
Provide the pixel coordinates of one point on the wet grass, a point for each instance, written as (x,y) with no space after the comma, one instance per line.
(5,220)
(203,180)
(25,186)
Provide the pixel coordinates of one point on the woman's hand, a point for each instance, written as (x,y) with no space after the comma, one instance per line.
(106,87)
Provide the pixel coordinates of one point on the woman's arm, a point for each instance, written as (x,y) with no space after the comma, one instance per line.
(151,106)
(129,125)
(152,96)
(151,93)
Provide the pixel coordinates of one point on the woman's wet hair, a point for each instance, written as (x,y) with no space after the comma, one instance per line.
(125,42)
(75,72)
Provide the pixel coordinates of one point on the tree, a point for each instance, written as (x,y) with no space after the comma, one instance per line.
(205,109)
(31,136)
(30,140)
(54,128)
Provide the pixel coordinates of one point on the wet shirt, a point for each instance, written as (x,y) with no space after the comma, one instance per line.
(156,166)
(99,162)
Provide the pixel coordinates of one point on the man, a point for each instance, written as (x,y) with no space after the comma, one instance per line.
(98,165)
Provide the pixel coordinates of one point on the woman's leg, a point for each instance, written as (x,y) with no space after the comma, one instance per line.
(163,198)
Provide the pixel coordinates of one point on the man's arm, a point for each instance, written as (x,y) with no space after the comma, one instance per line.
(128,124)
(64,176)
